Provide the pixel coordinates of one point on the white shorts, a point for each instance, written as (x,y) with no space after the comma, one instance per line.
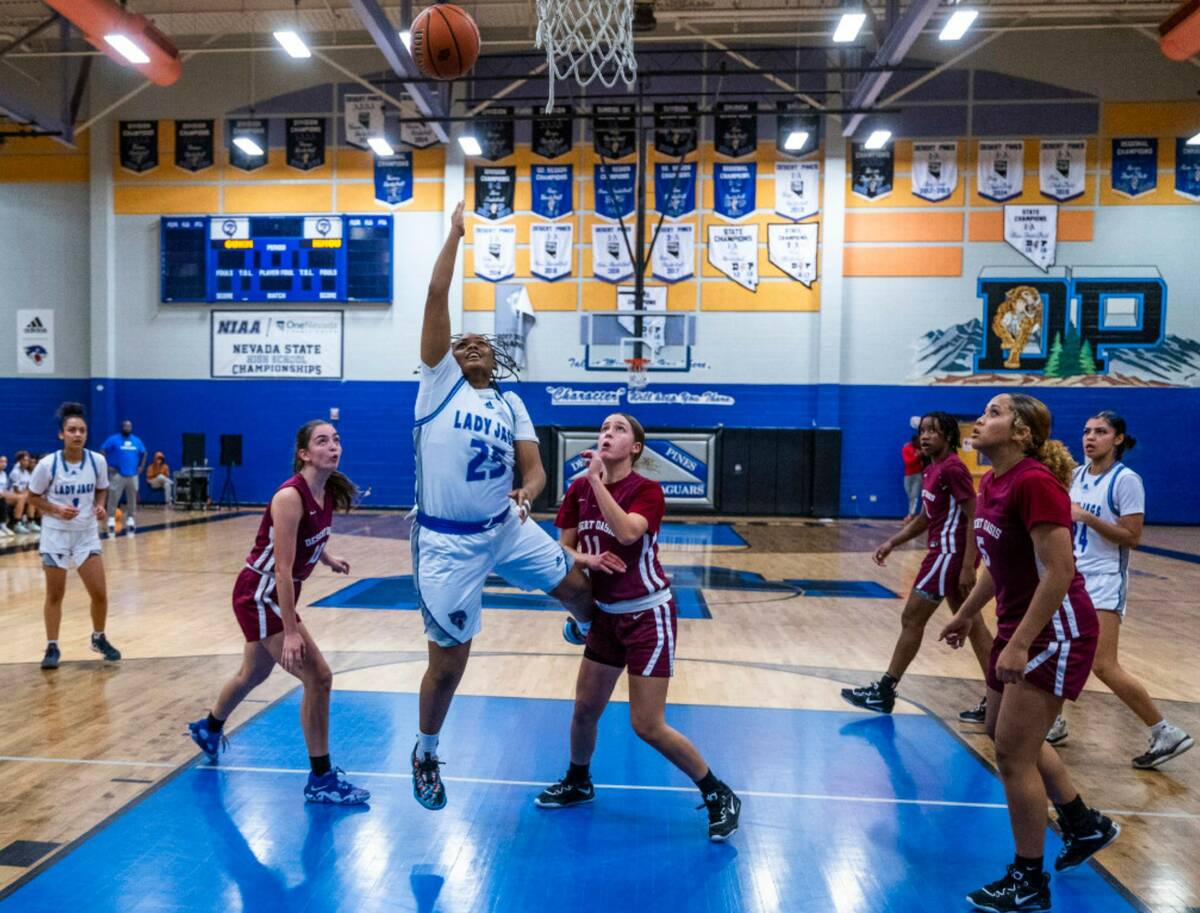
(63,548)
(449,571)
(1107,592)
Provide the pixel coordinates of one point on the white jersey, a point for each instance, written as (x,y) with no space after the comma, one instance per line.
(464,441)
(3,483)
(18,479)
(1116,493)
(66,484)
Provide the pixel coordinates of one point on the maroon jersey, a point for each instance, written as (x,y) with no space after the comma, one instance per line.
(311,536)
(1007,509)
(636,495)
(946,486)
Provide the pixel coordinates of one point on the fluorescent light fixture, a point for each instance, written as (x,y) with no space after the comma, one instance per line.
(470,145)
(406,40)
(247,145)
(849,26)
(958,23)
(380,146)
(1193,141)
(126,48)
(293,44)
(796,140)
(878,139)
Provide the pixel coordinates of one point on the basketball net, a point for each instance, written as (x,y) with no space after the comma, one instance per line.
(639,377)
(588,40)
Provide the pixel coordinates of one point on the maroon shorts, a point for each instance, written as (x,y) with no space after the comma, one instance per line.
(644,641)
(938,575)
(255,605)
(1060,667)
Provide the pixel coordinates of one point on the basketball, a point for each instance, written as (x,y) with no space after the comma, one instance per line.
(445,41)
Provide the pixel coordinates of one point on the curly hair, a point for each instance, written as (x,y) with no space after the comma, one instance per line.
(506,363)
(68,411)
(1031,415)
(946,425)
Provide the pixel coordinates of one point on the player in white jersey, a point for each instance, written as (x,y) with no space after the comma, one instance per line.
(470,519)
(1108,506)
(64,486)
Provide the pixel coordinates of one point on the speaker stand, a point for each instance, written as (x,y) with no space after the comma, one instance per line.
(228,492)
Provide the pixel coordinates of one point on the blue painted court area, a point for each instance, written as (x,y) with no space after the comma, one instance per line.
(841,813)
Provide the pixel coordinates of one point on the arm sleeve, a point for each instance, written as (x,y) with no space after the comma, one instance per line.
(650,503)
(1039,498)
(436,384)
(39,479)
(523,430)
(960,483)
(1129,495)
(568,511)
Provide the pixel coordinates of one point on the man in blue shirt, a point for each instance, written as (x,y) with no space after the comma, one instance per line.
(126,455)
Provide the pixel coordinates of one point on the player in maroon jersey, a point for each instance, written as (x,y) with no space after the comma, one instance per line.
(948,571)
(1045,640)
(292,538)
(610,520)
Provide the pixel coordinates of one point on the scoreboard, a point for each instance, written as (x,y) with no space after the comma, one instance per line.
(314,258)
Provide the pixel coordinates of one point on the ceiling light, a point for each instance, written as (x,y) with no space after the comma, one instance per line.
(1194,141)
(796,140)
(470,145)
(248,145)
(878,139)
(958,23)
(849,26)
(126,48)
(380,146)
(293,44)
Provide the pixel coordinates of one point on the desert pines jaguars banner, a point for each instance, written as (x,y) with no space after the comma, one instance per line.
(193,144)
(675,188)
(735,128)
(735,190)
(1000,170)
(610,253)
(1032,231)
(364,118)
(1062,165)
(393,178)
(733,249)
(871,171)
(139,145)
(793,249)
(553,132)
(673,257)
(934,170)
(552,185)
(495,252)
(494,192)
(1134,166)
(550,249)
(1187,169)
(797,189)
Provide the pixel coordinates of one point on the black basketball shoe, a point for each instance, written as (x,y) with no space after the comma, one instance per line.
(724,810)
(977,714)
(1083,842)
(565,793)
(871,697)
(1016,891)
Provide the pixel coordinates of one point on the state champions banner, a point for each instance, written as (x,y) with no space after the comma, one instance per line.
(275,344)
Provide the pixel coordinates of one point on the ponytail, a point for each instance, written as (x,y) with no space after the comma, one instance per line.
(344,491)
(1055,456)
(1118,425)
(1031,416)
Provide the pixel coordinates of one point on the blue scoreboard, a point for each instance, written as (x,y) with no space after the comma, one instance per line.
(276,258)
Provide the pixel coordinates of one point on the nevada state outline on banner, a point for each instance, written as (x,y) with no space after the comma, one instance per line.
(1032,231)
(733,249)
(793,249)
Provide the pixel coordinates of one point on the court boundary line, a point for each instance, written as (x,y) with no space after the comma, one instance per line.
(22,547)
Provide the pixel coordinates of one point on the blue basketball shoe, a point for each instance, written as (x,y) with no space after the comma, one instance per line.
(333,788)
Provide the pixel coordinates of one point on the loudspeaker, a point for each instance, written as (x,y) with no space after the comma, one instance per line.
(827,472)
(193,449)
(231,450)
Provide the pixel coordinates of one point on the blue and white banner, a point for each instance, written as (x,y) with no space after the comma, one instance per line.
(394,179)
(1000,169)
(1062,168)
(934,171)
(871,171)
(552,190)
(610,253)
(614,186)
(550,248)
(797,189)
(673,257)
(1187,169)
(733,249)
(684,463)
(494,190)
(495,252)
(1134,166)
(735,190)
(675,189)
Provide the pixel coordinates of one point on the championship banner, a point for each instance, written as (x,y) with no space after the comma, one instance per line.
(733,249)
(394,179)
(871,171)
(614,187)
(614,130)
(1032,231)
(494,188)
(735,128)
(789,122)
(495,252)
(675,188)
(139,145)
(363,119)
(610,253)
(35,341)
(797,189)
(673,257)
(550,249)
(276,344)
(552,190)
(514,318)
(305,142)
(735,190)
(675,128)
(416,133)
(494,130)
(253,128)
(793,249)
(1134,166)
(1000,170)
(1062,166)
(934,171)
(1187,169)
(194,145)
(553,133)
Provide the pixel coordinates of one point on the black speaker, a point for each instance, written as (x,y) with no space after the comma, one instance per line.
(231,450)
(793,472)
(827,472)
(193,449)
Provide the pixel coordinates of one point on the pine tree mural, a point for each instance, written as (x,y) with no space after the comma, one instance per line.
(1054,359)
(1087,364)
(1069,360)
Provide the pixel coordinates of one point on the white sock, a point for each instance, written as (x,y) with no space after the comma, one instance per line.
(427,744)
(96,634)
(1161,726)
(52,643)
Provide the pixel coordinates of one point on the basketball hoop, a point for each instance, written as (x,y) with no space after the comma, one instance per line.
(587,39)
(639,376)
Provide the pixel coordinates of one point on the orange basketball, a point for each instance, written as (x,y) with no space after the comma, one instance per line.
(445,41)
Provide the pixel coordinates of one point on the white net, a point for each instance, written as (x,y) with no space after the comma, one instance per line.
(638,376)
(587,40)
